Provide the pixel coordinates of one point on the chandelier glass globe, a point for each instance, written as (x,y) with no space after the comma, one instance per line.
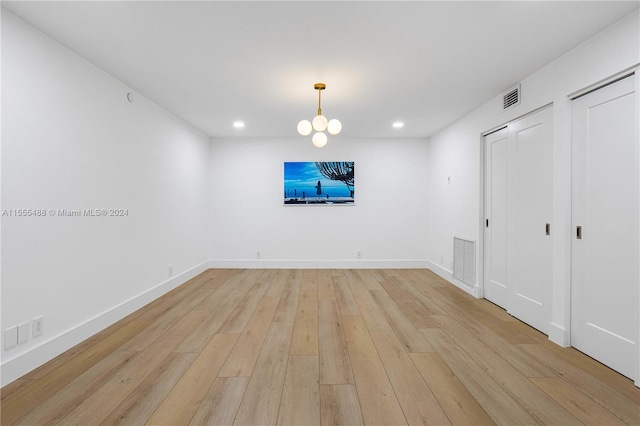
(319,123)
(334,126)
(319,139)
(304,127)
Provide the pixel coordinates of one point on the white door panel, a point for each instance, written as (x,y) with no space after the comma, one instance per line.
(531,258)
(495,288)
(605,281)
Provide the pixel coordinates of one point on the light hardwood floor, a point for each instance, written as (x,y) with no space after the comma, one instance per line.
(305,347)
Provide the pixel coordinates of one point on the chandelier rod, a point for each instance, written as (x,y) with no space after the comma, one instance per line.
(319,87)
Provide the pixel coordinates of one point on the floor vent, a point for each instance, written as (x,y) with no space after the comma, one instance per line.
(464,261)
(511,98)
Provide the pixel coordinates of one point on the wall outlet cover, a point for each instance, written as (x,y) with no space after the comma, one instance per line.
(23,333)
(37,327)
(10,338)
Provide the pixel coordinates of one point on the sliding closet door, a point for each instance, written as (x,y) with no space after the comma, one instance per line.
(518,211)
(530,259)
(495,281)
(605,255)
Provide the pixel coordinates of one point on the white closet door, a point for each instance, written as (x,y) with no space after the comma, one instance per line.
(495,281)
(529,258)
(605,255)
(518,204)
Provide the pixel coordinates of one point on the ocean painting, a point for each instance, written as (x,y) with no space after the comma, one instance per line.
(318,183)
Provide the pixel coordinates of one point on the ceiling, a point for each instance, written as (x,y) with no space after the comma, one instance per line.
(424,63)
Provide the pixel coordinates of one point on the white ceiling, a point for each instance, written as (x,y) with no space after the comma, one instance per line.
(425,63)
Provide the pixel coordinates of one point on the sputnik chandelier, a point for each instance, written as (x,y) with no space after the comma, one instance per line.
(319,123)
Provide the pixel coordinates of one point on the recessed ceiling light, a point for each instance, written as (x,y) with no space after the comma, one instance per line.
(398,124)
(238,124)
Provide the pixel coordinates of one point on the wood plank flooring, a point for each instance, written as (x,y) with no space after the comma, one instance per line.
(330,347)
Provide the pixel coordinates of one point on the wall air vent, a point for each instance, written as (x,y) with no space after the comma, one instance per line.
(464,261)
(511,98)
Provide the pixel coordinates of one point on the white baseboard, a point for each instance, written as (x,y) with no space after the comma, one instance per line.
(559,335)
(19,365)
(317,264)
(448,275)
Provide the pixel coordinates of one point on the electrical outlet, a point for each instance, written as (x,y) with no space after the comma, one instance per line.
(23,333)
(257,255)
(170,270)
(37,327)
(10,338)
(359,254)
(442,260)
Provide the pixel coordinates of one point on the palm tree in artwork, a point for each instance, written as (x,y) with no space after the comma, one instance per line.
(342,171)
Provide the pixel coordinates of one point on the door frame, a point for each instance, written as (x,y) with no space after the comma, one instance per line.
(636,71)
(637,77)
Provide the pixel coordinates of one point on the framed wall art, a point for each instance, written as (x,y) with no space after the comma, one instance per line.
(319,183)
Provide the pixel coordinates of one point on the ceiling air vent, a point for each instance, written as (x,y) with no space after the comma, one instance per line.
(511,98)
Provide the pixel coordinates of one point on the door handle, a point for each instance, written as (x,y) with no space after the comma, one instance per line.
(579,232)
(547,229)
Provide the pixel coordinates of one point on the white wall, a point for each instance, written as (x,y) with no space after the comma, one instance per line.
(387,223)
(71,140)
(456,151)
